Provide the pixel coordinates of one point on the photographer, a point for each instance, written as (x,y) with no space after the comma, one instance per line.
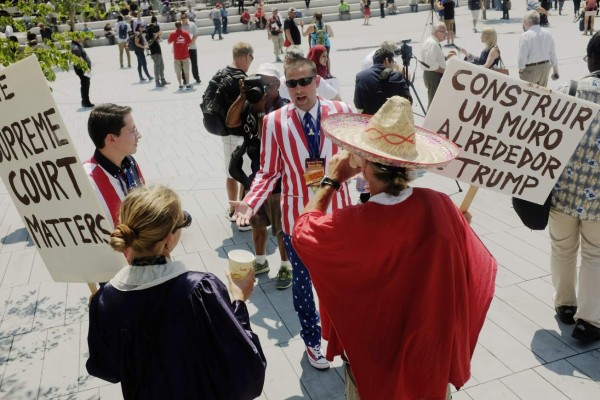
(378,83)
(259,95)
(388,45)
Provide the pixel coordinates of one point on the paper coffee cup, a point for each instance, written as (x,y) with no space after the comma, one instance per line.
(240,263)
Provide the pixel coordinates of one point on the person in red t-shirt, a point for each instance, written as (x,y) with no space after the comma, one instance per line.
(181,42)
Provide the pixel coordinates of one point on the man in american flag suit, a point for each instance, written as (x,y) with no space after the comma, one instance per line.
(295,148)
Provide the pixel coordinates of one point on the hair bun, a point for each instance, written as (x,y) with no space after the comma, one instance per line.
(127,234)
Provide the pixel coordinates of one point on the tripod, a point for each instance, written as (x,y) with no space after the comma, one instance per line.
(430,19)
(431,13)
(412,79)
(412,86)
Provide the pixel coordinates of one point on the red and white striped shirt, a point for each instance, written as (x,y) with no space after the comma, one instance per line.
(283,153)
(111,188)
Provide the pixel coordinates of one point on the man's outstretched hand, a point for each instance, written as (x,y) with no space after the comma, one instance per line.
(243,212)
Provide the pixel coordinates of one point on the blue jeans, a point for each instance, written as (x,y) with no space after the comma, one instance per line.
(141,58)
(217,23)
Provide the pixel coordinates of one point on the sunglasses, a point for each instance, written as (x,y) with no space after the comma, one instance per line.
(292,83)
(187,221)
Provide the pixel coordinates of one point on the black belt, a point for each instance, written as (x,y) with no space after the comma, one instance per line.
(537,63)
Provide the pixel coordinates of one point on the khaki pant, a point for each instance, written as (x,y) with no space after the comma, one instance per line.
(182,65)
(537,74)
(277,44)
(352,393)
(566,233)
(123,47)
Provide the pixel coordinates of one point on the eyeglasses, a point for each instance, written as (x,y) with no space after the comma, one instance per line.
(292,83)
(187,221)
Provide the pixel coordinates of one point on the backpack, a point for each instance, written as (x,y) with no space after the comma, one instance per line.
(218,97)
(320,34)
(131,43)
(122,31)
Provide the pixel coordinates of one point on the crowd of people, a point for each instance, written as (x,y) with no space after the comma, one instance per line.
(290,146)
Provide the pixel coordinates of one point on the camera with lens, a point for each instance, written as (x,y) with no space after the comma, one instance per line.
(255,89)
(405,51)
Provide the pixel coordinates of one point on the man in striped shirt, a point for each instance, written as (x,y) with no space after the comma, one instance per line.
(112,171)
(295,149)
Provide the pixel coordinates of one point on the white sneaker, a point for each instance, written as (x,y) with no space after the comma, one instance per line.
(230,215)
(244,227)
(316,357)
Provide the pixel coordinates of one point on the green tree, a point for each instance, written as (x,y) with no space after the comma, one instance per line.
(52,54)
(70,9)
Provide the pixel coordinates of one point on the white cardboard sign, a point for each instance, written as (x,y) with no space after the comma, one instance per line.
(47,183)
(514,137)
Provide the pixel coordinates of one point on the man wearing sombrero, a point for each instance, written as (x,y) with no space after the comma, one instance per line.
(405,282)
(294,148)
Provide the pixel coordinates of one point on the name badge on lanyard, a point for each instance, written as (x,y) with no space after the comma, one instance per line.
(314,165)
(314,172)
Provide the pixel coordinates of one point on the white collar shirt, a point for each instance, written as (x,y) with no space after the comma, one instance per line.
(432,54)
(536,45)
(314,112)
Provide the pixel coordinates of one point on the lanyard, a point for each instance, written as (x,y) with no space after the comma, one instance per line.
(130,181)
(312,134)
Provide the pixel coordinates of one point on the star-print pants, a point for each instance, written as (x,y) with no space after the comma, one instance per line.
(304,302)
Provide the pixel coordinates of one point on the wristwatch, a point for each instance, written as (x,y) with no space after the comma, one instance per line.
(327,181)
(260,115)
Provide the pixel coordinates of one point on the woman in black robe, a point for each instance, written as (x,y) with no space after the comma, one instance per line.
(162,330)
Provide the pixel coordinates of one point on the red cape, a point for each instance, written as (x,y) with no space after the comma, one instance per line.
(403,290)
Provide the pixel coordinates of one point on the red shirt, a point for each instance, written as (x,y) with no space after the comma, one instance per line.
(403,291)
(181,41)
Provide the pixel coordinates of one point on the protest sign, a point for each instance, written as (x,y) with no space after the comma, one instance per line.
(514,137)
(47,183)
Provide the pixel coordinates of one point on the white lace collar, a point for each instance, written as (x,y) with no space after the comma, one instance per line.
(147,276)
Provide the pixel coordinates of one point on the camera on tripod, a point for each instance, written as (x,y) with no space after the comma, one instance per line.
(405,51)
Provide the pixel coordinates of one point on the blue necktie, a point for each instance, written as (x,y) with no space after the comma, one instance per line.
(312,136)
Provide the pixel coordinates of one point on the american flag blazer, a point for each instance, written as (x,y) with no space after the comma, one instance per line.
(283,153)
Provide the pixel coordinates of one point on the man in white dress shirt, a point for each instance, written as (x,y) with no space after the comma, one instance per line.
(433,55)
(537,54)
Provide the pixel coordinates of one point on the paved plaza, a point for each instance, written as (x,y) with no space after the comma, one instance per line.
(524,352)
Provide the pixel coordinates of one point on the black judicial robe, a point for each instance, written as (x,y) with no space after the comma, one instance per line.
(180,339)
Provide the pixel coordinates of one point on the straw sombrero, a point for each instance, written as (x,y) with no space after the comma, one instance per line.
(390,137)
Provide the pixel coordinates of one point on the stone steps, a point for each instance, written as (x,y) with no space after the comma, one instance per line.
(329,9)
